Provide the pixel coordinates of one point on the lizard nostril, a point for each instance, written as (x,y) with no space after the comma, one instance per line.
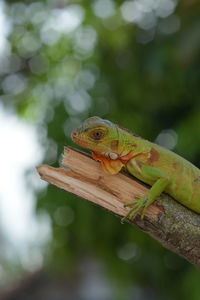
(74,134)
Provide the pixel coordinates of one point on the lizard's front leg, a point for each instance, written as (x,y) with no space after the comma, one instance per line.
(142,203)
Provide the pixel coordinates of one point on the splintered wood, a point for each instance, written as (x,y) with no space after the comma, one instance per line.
(86,179)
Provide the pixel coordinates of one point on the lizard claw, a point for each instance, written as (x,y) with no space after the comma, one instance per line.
(132,202)
(137,205)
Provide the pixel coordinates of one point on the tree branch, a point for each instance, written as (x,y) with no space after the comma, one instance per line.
(174,226)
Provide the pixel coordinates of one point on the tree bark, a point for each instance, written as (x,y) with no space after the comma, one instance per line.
(173,225)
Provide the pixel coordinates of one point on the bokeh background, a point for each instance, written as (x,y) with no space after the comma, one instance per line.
(135,62)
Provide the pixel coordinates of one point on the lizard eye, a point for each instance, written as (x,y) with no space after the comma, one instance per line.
(97,134)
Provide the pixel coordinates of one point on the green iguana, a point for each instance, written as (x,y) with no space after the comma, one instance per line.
(116,147)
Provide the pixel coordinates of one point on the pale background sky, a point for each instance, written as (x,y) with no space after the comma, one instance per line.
(19,152)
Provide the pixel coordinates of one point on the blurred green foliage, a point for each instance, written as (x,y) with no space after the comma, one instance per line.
(138,66)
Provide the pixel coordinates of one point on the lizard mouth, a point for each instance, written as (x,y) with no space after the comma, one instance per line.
(74,135)
(79,141)
(75,138)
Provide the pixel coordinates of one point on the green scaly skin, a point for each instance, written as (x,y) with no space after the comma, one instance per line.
(162,169)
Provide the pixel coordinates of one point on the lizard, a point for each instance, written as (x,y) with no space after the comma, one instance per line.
(165,171)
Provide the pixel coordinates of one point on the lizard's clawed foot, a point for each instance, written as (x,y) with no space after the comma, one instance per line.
(140,204)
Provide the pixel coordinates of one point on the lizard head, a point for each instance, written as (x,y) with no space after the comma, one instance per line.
(96,134)
(102,138)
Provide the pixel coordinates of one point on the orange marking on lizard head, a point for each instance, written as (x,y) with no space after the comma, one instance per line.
(175,165)
(109,166)
(114,145)
(125,158)
(154,156)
